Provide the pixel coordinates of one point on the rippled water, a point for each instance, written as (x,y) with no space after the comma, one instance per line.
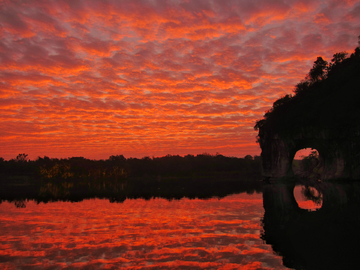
(137,234)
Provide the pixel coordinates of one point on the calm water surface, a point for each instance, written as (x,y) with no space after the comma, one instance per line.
(137,234)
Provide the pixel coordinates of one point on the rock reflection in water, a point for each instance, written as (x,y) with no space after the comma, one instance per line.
(322,239)
(137,234)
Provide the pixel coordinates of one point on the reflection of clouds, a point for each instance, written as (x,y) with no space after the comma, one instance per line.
(137,233)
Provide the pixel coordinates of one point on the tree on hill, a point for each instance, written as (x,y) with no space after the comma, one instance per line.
(281,101)
(301,86)
(318,71)
(317,98)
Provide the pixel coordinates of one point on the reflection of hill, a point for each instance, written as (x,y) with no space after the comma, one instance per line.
(323,239)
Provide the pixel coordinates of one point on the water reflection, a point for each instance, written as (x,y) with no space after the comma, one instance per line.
(152,233)
(322,239)
(308,197)
(137,234)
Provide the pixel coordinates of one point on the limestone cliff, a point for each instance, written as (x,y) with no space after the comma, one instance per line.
(324,115)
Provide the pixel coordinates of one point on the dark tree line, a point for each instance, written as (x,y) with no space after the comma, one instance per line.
(117,167)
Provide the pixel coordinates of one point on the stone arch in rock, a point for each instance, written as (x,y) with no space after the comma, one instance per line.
(338,154)
(311,169)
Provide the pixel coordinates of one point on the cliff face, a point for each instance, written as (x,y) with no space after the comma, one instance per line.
(325,116)
(339,154)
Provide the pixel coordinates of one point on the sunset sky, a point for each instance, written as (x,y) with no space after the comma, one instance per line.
(150,78)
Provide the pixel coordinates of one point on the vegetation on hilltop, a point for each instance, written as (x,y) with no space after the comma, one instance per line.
(328,97)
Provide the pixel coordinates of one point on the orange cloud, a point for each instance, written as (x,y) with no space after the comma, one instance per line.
(152,78)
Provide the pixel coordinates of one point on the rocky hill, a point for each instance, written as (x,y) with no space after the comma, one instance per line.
(324,113)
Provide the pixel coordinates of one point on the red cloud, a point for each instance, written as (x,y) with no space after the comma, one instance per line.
(155,77)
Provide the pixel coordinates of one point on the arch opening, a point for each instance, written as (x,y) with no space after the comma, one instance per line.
(307,163)
(308,197)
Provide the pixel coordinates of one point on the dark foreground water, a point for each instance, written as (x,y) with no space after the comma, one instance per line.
(242,231)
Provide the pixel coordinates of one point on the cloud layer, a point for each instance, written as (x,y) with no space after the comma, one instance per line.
(96,78)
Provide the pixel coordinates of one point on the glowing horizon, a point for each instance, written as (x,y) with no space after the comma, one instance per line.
(141,78)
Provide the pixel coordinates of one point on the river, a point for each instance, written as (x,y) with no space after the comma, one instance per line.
(137,234)
(240,231)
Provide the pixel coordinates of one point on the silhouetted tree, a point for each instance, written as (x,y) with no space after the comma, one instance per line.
(117,158)
(259,124)
(337,59)
(317,72)
(21,157)
(281,101)
(301,86)
(357,49)
(44,160)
